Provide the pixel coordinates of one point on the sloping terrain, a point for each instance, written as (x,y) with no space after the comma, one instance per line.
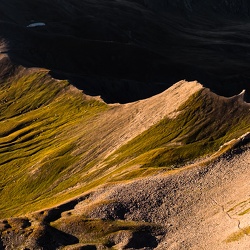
(205,207)
(64,128)
(67,148)
(125,50)
(103,145)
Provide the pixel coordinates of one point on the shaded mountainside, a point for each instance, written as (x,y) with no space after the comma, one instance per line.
(103,146)
(65,147)
(230,8)
(103,47)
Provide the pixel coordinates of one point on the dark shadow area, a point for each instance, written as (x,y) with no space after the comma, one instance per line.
(123,51)
(55,213)
(1,245)
(116,212)
(141,240)
(115,71)
(53,238)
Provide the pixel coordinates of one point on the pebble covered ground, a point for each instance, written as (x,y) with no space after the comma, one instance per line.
(196,206)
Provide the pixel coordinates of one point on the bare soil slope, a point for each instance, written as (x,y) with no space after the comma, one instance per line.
(124,122)
(203,207)
(198,207)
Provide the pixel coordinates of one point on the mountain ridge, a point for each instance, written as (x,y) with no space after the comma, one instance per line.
(103,146)
(168,47)
(76,149)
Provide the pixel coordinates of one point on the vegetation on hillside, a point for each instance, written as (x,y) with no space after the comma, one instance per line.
(206,121)
(38,115)
(51,140)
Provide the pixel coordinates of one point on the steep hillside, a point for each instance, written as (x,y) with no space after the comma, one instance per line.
(63,128)
(103,145)
(103,47)
(60,146)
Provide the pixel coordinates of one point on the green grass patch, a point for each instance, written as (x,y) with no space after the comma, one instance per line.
(240,206)
(247,211)
(49,149)
(237,236)
(38,116)
(202,126)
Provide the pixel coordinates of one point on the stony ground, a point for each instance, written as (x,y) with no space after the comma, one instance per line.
(199,207)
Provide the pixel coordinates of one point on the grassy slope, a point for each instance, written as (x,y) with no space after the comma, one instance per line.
(96,231)
(43,121)
(205,122)
(37,114)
